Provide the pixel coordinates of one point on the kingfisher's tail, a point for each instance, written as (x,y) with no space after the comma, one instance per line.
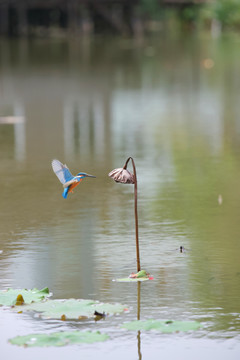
(65,193)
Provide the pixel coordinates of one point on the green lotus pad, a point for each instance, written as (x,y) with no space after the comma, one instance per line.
(59,338)
(168,326)
(131,280)
(11,297)
(76,309)
(141,275)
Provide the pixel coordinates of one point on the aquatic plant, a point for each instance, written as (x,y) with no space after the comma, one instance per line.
(59,338)
(141,275)
(122,175)
(72,309)
(11,297)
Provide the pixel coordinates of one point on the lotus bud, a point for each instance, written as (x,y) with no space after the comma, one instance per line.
(19,300)
(122,175)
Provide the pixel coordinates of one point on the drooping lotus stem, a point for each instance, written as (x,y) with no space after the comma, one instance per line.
(135,210)
(124,176)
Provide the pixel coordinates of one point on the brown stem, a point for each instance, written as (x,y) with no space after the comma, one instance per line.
(135,210)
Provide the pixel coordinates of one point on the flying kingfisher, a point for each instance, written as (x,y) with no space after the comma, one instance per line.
(67,179)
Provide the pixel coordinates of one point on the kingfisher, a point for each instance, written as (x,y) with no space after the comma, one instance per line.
(66,178)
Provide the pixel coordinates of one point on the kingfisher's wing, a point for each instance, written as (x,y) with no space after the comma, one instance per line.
(61,171)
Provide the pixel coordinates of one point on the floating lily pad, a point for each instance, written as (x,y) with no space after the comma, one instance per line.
(141,275)
(131,279)
(59,338)
(13,297)
(168,326)
(73,308)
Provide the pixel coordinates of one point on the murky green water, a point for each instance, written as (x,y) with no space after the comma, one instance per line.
(172,103)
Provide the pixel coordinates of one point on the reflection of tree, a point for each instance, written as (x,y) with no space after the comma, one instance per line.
(86,125)
(13,123)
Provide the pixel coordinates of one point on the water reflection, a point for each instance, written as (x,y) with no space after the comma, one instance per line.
(138,318)
(87,107)
(84,126)
(17,121)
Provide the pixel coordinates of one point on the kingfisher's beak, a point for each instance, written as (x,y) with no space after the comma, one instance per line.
(88,175)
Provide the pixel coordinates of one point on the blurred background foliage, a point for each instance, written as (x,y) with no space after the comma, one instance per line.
(224,12)
(117,17)
(227,12)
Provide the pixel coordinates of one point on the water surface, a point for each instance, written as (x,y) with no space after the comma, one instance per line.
(172,103)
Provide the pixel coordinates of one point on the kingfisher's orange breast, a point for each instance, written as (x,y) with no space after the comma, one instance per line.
(72,186)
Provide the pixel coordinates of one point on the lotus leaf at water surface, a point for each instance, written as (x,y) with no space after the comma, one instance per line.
(59,338)
(76,309)
(11,297)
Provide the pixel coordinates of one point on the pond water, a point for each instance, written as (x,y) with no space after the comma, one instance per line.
(170,102)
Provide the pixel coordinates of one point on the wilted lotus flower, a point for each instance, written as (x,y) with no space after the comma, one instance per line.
(122,175)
